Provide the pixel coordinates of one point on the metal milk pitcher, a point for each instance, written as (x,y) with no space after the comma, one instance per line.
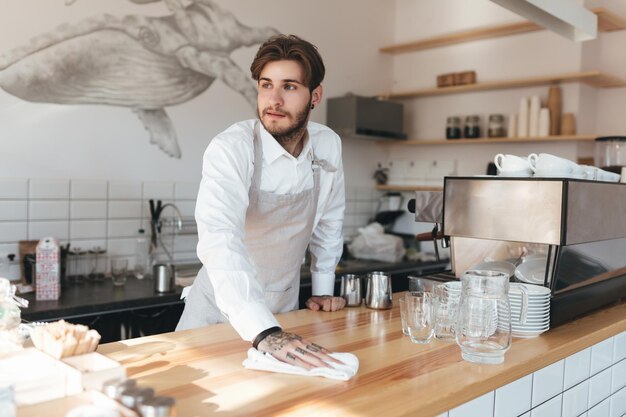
(483,328)
(378,291)
(350,290)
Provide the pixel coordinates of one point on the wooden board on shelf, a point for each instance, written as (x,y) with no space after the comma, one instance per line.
(607,22)
(577,138)
(387,187)
(593,78)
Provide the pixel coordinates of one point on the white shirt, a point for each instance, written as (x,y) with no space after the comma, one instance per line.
(221,213)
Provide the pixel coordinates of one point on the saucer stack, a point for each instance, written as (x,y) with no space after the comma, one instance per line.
(538,313)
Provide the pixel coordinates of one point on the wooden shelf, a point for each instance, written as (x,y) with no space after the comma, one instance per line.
(607,22)
(593,78)
(408,188)
(428,142)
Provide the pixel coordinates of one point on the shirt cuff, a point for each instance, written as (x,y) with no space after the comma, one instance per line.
(322,284)
(255,318)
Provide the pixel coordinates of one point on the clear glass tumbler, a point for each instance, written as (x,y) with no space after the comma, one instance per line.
(403,315)
(420,324)
(446,310)
(119,269)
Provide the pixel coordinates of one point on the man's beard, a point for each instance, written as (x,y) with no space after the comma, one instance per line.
(292,132)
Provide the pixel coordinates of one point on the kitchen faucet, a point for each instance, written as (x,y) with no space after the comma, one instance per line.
(156,224)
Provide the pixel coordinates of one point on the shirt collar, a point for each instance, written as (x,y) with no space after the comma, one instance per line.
(272,150)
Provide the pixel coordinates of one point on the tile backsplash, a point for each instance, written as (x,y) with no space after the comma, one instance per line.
(108,214)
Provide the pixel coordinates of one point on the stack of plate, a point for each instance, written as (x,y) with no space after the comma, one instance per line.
(538,312)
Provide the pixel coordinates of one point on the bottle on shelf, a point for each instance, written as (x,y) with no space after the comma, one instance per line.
(141,254)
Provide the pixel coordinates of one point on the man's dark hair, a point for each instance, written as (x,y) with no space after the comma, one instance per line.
(292,48)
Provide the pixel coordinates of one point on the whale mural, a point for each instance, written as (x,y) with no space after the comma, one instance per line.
(140,62)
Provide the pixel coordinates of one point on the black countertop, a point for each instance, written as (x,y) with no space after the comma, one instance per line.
(95,298)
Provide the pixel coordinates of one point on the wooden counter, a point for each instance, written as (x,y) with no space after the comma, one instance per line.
(202,368)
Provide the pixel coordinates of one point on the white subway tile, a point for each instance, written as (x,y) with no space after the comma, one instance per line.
(43,189)
(601,355)
(577,368)
(13,210)
(88,210)
(123,228)
(87,229)
(515,398)
(618,403)
(124,209)
(13,231)
(575,400)
(125,190)
(48,210)
(600,410)
(551,408)
(350,207)
(186,257)
(157,190)
(13,188)
(187,208)
(186,190)
(618,376)
(185,243)
(526,414)
(619,347)
(41,229)
(547,382)
(479,407)
(599,387)
(88,189)
(122,247)
(10,248)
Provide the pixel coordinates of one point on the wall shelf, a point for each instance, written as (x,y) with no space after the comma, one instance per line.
(408,188)
(593,78)
(428,142)
(607,22)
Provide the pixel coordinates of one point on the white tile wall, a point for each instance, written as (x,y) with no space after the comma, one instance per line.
(88,189)
(13,210)
(547,382)
(13,231)
(479,407)
(599,387)
(551,408)
(618,403)
(41,229)
(49,189)
(600,410)
(186,190)
(577,368)
(48,210)
(13,188)
(88,210)
(124,228)
(575,400)
(158,190)
(515,398)
(601,356)
(125,190)
(619,347)
(124,209)
(619,376)
(87,229)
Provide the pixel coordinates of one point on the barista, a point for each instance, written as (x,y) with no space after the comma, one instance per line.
(271,187)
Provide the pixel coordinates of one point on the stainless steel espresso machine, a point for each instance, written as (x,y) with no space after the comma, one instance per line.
(577,227)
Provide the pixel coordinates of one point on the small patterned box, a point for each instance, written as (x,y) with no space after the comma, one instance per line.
(48,277)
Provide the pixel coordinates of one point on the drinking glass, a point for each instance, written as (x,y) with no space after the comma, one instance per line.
(420,285)
(446,309)
(119,268)
(403,315)
(420,326)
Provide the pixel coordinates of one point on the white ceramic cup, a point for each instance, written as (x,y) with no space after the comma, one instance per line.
(512,164)
(548,164)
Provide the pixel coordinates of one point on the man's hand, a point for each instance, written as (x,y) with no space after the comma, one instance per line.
(325,303)
(294,350)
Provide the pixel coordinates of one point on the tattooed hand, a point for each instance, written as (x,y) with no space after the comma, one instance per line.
(325,303)
(293,349)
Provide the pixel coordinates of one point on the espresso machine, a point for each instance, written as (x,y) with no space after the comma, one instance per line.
(577,226)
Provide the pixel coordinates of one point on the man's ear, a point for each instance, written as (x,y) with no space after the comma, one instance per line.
(316,95)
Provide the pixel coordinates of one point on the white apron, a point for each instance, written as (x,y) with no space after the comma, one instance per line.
(278,229)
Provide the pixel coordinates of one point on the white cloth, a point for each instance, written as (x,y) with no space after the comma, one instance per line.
(222,204)
(265,362)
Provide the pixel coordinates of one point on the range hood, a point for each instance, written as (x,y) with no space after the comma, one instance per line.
(567,18)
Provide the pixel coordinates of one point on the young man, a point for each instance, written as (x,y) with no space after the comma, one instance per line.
(271,187)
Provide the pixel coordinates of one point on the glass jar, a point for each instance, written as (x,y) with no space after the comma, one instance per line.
(453,128)
(496,126)
(483,328)
(472,127)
